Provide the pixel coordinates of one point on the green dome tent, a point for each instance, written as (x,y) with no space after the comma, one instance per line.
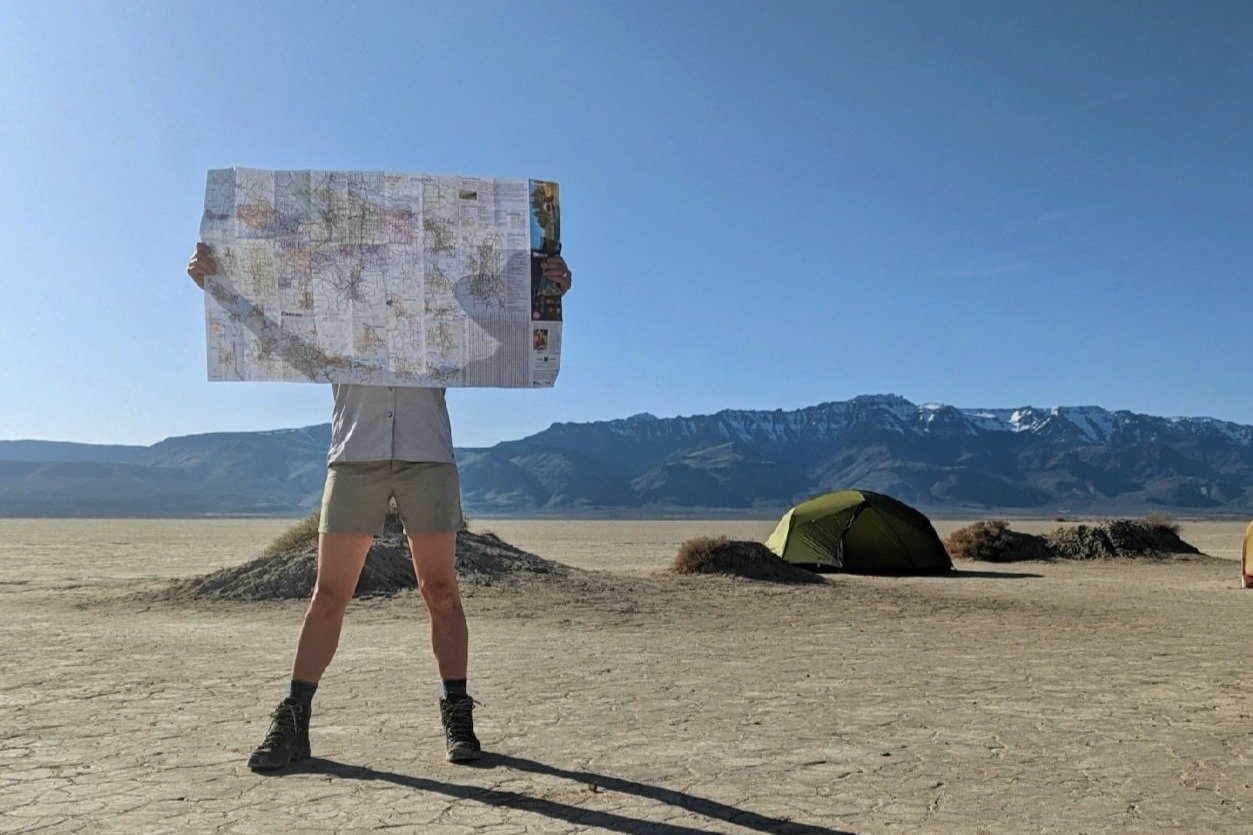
(862,533)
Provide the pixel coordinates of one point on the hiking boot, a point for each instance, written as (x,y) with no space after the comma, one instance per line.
(287,740)
(457,715)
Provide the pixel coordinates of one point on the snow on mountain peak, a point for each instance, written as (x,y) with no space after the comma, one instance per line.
(892,413)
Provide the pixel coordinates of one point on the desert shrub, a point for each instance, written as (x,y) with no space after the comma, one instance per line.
(299,535)
(1119,538)
(992,541)
(740,558)
(1162,524)
(1082,542)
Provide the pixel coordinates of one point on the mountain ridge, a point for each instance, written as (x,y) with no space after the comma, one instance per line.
(943,459)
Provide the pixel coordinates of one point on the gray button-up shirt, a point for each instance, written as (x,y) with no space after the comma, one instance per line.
(380,423)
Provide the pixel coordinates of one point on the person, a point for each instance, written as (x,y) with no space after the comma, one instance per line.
(387,443)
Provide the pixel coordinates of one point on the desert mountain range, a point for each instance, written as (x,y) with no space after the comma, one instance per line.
(944,460)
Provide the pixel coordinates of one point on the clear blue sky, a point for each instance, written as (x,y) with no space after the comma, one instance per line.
(765,205)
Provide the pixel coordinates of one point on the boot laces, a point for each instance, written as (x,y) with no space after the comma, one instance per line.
(459,718)
(284,723)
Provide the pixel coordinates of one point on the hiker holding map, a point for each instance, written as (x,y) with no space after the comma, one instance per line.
(391,287)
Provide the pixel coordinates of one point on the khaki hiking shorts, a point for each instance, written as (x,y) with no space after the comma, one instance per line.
(355,499)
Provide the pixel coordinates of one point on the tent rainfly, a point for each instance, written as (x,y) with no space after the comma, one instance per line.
(859,532)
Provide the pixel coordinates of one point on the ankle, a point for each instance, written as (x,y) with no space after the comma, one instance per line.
(302,692)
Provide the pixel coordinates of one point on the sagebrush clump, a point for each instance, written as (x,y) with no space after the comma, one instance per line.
(1162,524)
(1154,537)
(992,541)
(739,558)
(299,535)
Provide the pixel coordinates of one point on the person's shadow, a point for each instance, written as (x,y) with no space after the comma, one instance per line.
(577,815)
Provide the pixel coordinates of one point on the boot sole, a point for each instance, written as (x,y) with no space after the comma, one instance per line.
(295,758)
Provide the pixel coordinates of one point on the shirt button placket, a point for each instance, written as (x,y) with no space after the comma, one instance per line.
(391,398)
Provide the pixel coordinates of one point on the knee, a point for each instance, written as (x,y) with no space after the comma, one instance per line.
(441,595)
(328,602)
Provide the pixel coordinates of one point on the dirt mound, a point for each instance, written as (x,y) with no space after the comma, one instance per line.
(288,567)
(740,558)
(993,541)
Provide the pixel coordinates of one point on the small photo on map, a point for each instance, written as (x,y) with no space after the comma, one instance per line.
(539,339)
(545,217)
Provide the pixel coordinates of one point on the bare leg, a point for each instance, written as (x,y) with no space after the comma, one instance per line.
(340,558)
(433,555)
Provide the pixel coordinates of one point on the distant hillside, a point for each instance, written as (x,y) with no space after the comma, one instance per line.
(62,451)
(246,473)
(1066,460)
